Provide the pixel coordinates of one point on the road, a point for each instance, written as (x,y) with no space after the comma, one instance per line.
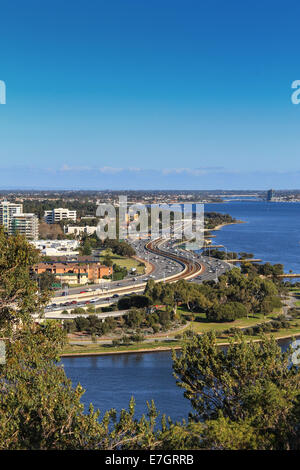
(170,264)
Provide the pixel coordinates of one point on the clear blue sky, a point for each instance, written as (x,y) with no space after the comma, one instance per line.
(150,94)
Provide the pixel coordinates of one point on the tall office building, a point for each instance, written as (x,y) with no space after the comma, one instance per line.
(56,215)
(270,194)
(13,219)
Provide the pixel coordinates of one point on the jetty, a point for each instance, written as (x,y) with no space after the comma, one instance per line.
(251,260)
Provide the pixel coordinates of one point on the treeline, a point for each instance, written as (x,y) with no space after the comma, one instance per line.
(264,269)
(135,320)
(234,296)
(213,219)
(223,255)
(38,207)
(91,242)
(260,328)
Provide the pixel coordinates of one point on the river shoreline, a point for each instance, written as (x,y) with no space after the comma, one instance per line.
(162,348)
(218,227)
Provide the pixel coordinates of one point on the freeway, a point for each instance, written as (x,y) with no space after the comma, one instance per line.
(161,268)
(169,264)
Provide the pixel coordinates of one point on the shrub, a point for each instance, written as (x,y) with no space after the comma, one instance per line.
(249,331)
(78,310)
(138,338)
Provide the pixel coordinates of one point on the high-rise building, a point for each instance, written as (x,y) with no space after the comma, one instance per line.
(13,219)
(270,194)
(25,224)
(56,215)
(7,211)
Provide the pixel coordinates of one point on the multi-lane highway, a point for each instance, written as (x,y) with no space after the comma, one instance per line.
(169,264)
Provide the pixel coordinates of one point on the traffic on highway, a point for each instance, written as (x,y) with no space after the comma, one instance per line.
(166,262)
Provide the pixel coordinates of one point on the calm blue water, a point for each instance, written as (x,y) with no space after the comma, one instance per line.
(110,382)
(272,232)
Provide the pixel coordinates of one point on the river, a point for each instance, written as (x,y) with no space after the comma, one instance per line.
(271,232)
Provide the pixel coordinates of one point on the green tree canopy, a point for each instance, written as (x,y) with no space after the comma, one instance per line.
(19,296)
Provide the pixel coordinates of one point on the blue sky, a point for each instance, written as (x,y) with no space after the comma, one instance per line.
(153,94)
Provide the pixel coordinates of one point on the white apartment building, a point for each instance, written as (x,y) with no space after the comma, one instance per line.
(25,224)
(77,230)
(14,220)
(7,211)
(57,247)
(56,215)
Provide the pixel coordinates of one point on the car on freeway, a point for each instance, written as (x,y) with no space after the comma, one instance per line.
(83,292)
(115,296)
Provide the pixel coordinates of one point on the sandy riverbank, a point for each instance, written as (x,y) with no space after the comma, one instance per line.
(218,227)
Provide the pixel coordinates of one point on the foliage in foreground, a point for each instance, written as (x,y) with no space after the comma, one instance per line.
(40,409)
(19,295)
(246,397)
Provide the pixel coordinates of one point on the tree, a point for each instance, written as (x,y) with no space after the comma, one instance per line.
(138,301)
(19,296)
(250,388)
(46,280)
(226,312)
(82,323)
(134,318)
(39,407)
(107,261)
(41,410)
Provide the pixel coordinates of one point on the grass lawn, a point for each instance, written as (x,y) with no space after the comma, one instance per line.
(293,331)
(202,325)
(199,326)
(169,343)
(122,261)
(158,344)
(108,348)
